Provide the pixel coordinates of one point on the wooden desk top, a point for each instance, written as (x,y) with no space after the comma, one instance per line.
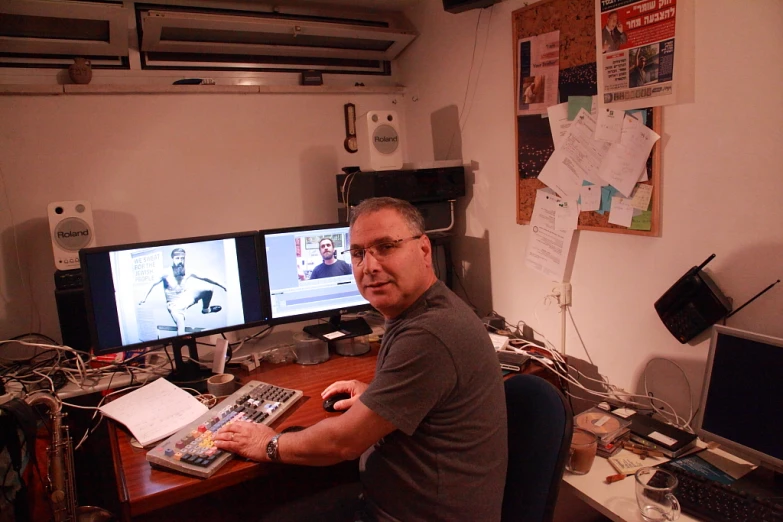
(142,489)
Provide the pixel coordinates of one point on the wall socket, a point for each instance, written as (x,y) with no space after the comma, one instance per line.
(563,293)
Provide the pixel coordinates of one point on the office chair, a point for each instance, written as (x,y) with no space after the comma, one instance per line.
(540,425)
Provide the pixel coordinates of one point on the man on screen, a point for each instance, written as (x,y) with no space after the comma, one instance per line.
(184,290)
(331,266)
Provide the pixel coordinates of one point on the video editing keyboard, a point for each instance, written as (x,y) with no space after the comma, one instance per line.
(191,450)
(712,501)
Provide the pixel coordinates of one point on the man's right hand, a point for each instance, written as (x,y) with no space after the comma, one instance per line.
(354,387)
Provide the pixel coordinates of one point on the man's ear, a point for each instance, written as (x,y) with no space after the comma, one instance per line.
(426,246)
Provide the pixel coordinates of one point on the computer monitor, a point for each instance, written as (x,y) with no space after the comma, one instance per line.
(310,277)
(173,291)
(741,403)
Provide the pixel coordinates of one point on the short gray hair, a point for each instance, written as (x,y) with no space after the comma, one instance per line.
(406,210)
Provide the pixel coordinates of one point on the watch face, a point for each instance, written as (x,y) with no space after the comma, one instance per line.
(271,448)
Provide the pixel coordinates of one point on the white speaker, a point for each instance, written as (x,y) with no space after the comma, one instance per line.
(380,144)
(71,227)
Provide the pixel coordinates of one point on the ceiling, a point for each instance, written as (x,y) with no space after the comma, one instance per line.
(384,5)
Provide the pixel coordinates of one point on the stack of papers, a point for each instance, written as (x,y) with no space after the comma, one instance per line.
(155,411)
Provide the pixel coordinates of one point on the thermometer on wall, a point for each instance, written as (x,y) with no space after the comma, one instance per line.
(350,142)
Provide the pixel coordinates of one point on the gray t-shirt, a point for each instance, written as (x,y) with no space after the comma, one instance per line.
(439,382)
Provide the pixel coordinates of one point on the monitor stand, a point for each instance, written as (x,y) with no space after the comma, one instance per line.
(188,374)
(337,329)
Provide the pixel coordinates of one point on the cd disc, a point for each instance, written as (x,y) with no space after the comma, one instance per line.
(598,423)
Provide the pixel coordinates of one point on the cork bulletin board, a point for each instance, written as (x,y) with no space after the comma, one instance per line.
(575,19)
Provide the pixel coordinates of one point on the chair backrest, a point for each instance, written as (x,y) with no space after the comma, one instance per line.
(540,425)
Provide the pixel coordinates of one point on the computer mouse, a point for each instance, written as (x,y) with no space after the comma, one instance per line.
(332,399)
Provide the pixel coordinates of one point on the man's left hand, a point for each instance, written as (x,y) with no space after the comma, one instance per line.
(247,439)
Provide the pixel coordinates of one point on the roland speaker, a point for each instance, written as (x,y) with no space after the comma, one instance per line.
(380,144)
(71,228)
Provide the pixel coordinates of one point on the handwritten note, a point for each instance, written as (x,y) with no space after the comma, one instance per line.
(609,126)
(155,410)
(591,197)
(622,163)
(558,121)
(621,212)
(582,154)
(566,215)
(640,198)
(643,221)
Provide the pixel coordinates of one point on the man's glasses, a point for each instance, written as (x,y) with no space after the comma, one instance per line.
(380,250)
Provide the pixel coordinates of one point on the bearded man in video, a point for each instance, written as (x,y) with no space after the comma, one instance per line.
(331,266)
(183,290)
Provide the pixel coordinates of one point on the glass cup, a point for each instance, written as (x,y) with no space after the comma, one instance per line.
(584,444)
(655,495)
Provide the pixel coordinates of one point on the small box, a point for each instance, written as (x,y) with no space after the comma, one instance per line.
(311,78)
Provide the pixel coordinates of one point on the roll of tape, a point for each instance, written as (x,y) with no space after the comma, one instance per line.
(221,384)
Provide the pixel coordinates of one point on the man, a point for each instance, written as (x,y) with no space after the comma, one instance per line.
(183,291)
(431,427)
(612,35)
(638,76)
(331,266)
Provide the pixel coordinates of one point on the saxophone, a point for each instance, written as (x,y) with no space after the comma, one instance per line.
(61,486)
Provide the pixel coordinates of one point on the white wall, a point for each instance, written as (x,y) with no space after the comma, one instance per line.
(161,166)
(722,187)
(156,167)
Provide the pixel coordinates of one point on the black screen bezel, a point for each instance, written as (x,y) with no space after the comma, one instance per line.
(265,279)
(86,257)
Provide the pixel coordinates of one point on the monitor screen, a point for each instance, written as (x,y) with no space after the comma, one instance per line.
(309,276)
(743,395)
(148,294)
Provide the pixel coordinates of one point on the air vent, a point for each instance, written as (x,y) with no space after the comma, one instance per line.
(48,29)
(278,38)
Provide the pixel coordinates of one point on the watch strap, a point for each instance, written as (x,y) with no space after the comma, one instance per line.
(272,451)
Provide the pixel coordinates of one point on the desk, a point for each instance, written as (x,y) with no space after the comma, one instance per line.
(142,489)
(617,500)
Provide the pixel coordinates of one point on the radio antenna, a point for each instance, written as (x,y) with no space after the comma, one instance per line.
(705,262)
(753,299)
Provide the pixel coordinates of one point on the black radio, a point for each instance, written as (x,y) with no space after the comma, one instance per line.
(692,304)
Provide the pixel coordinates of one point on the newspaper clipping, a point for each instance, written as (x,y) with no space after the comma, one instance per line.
(539,59)
(635,48)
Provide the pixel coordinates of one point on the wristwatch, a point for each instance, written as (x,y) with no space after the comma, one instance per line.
(272,448)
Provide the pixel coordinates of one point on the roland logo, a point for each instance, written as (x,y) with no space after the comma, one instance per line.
(73,233)
(386,139)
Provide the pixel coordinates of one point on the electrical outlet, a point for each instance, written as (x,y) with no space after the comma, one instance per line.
(565,294)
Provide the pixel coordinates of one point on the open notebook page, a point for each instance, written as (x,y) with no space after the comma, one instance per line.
(155,411)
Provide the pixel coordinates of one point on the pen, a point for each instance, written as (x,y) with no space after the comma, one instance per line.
(648,445)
